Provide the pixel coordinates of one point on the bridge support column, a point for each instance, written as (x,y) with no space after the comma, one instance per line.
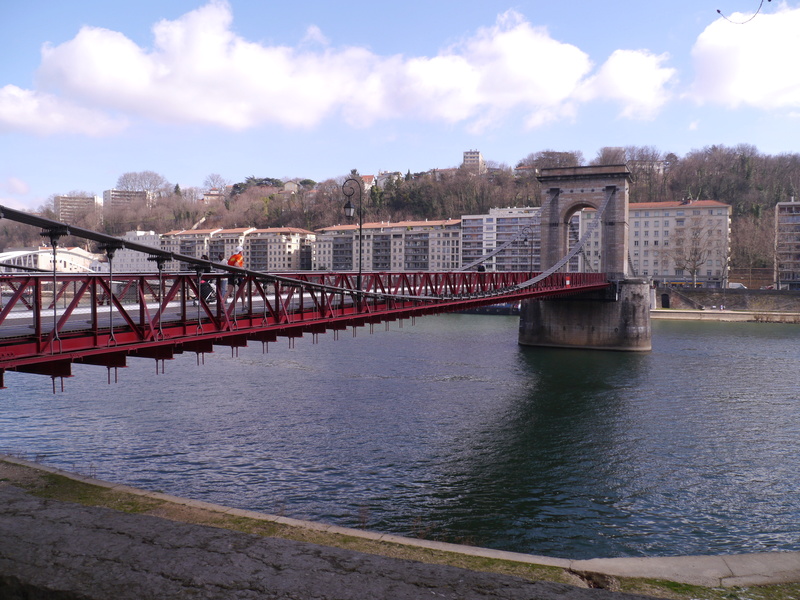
(616,319)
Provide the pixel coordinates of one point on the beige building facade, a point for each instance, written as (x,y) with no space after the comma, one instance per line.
(684,243)
(400,247)
(274,250)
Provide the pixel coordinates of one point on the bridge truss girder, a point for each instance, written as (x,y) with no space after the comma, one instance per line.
(93,320)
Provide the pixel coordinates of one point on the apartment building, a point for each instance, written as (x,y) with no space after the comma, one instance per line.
(684,243)
(197,242)
(518,232)
(279,249)
(275,249)
(68,209)
(132,261)
(402,246)
(473,161)
(680,242)
(517,227)
(787,245)
(121,198)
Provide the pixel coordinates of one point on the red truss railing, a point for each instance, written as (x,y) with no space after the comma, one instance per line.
(48,323)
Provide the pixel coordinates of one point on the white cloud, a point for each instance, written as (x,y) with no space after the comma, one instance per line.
(751,64)
(199,71)
(16,186)
(10,187)
(635,78)
(314,35)
(44,114)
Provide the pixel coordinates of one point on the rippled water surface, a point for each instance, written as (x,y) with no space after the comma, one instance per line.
(450,430)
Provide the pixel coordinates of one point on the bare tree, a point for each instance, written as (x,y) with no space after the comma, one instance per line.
(649,171)
(191,194)
(144,181)
(752,242)
(215,181)
(610,155)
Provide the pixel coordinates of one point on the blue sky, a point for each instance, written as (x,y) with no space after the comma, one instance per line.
(91,89)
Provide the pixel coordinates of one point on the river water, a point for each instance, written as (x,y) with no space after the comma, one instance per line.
(449,430)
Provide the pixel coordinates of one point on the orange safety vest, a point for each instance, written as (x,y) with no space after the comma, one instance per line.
(236,260)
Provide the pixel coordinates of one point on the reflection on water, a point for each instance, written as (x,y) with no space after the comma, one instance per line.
(450,430)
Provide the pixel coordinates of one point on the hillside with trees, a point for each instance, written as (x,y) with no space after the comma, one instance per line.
(740,176)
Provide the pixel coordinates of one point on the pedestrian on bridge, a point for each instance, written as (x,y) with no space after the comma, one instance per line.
(236,260)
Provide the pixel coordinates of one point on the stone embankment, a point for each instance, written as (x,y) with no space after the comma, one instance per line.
(733,316)
(709,304)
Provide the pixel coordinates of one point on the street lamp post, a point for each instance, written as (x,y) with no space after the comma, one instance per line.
(528,232)
(349,188)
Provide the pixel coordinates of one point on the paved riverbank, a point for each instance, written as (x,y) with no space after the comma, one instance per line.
(91,552)
(53,549)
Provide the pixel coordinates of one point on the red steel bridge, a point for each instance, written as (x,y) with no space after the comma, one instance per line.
(50,321)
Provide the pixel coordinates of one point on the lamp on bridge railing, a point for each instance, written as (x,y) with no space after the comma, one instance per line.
(349,188)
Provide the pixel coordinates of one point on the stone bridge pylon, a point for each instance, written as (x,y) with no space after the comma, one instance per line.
(616,319)
(569,190)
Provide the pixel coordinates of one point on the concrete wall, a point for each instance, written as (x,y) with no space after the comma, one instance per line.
(731,299)
(599,321)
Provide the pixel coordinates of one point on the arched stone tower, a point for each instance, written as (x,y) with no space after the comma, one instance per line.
(568,190)
(616,319)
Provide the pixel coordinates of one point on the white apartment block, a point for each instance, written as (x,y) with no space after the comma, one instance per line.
(132,261)
(473,161)
(70,208)
(482,234)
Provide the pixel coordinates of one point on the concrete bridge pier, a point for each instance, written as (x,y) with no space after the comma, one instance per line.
(617,318)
